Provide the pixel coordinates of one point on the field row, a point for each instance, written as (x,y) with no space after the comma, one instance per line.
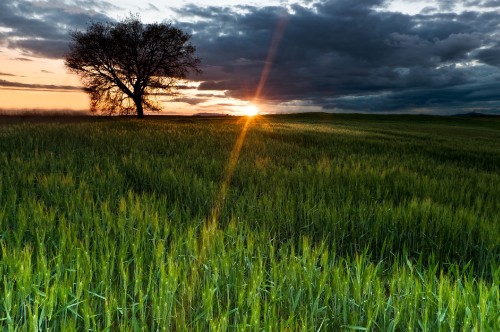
(326,222)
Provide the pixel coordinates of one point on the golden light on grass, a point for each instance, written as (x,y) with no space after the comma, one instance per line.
(250,110)
(228,174)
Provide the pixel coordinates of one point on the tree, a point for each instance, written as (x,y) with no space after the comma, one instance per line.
(125,65)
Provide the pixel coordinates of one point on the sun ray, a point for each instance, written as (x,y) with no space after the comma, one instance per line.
(251,110)
(273,49)
(212,222)
(229,171)
(209,231)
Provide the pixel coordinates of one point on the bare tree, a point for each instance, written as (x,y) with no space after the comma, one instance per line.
(125,65)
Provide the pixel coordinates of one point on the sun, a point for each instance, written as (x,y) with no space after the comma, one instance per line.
(250,110)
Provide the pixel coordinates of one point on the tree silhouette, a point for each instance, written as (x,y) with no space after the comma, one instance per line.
(125,65)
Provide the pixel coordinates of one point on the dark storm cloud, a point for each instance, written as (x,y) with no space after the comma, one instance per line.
(490,55)
(450,5)
(448,99)
(491,3)
(352,55)
(40,28)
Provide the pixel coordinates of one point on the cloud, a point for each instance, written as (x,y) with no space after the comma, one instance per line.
(491,4)
(479,3)
(490,55)
(153,8)
(40,28)
(7,74)
(350,55)
(44,87)
(190,100)
(21,59)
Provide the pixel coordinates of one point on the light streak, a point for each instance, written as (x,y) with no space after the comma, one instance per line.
(229,171)
(209,231)
(212,223)
(273,49)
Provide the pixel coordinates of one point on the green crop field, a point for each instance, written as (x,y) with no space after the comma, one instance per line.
(278,223)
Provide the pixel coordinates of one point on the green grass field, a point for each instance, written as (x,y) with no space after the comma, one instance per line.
(325,223)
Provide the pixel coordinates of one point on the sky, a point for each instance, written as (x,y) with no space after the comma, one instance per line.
(368,56)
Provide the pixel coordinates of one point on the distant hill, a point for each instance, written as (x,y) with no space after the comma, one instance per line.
(476,114)
(210,114)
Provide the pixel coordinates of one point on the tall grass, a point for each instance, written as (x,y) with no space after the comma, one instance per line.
(331,222)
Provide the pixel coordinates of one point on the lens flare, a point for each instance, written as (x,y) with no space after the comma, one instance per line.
(251,110)
(210,227)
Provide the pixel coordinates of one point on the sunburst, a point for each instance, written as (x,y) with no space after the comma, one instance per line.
(250,110)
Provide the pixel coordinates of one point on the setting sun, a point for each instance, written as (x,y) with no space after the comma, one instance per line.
(250,110)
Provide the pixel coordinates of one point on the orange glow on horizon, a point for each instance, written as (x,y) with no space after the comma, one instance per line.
(250,110)
(24,99)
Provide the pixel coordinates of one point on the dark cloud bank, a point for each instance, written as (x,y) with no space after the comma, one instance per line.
(352,56)
(339,55)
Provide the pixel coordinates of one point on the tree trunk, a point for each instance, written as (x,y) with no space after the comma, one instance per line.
(138,105)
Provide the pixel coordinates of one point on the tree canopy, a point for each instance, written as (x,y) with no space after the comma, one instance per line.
(125,65)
